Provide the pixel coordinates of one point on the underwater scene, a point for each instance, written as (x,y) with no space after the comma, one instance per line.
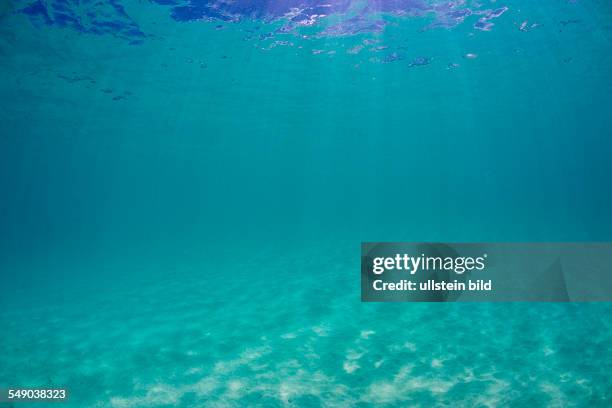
(185,186)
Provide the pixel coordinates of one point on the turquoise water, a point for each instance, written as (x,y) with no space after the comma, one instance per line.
(182,202)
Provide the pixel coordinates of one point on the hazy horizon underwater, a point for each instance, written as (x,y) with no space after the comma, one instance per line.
(185,185)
